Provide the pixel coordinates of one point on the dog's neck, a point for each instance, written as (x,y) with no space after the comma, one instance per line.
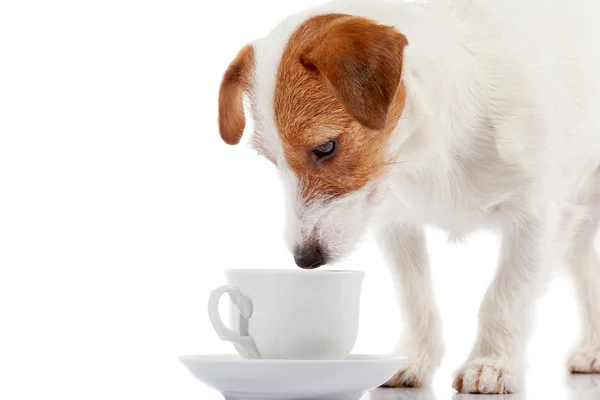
(445,86)
(447,101)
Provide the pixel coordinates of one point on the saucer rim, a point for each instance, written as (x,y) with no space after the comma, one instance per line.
(234,357)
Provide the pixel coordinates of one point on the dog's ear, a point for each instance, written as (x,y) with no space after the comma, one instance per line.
(236,81)
(361,61)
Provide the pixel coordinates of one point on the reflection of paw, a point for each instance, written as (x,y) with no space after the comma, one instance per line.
(586,361)
(486,376)
(469,396)
(583,383)
(404,394)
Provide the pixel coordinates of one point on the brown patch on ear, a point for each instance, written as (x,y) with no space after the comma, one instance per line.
(361,62)
(236,80)
(309,113)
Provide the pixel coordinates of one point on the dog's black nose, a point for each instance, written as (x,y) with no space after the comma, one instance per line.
(309,258)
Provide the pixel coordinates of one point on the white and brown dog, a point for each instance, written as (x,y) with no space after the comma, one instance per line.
(463,114)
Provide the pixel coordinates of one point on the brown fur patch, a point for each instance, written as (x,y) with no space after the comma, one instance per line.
(237,79)
(339,78)
(478,380)
(458,383)
(499,388)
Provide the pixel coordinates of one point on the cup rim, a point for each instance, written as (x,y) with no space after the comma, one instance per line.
(281,271)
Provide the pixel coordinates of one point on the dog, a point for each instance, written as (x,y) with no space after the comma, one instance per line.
(460,114)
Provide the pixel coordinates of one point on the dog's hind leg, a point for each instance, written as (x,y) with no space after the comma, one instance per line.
(585,268)
(404,247)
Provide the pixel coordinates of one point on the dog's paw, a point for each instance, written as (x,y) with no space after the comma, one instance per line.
(410,375)
(424,356)
(486,376)
(585,361)
(416,372)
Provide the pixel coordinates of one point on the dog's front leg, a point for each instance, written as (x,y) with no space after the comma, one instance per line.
(404,248)
(495,365)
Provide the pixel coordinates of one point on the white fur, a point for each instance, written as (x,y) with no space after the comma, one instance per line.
(501,131)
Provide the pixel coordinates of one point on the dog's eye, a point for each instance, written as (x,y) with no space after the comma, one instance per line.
(324,151)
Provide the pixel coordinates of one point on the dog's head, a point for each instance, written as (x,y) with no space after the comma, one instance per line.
(325,97)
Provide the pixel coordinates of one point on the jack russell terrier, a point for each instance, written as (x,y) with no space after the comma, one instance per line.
(462,114)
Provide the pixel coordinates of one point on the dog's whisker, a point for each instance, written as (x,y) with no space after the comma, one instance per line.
(400,162)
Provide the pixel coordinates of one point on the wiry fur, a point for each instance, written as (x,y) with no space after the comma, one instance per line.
(501,130)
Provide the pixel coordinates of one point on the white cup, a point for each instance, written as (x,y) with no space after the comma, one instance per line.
(290,314)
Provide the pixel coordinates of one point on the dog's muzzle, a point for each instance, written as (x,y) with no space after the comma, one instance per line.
(309,257)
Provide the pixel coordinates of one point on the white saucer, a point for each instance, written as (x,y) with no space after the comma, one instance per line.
(240,379)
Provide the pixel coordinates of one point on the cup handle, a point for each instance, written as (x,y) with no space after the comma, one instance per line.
(243,343)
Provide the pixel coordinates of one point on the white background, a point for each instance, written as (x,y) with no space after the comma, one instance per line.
(120,206)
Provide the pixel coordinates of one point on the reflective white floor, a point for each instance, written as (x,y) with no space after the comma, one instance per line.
(540,386)
(571,387)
